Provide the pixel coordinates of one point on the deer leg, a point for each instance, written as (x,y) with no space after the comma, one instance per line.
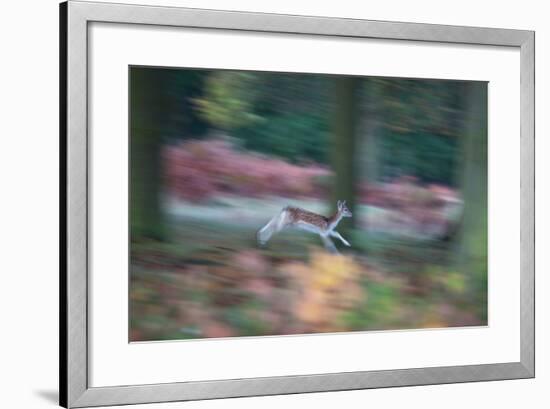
(338,236)
(276,224)
(329,245)
(265,233)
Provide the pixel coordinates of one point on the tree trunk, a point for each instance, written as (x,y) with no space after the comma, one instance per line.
(471,249)
(346,93)
(147,107)
(370,127)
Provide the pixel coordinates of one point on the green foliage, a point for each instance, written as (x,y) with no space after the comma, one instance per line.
(243,318)
(284,115)
(430,157)
(413,105)
(377,309)
(418,125)
(288,115)
(184,121)
(294,136)
(228,99)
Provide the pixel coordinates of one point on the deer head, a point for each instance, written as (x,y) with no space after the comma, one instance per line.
(343,209)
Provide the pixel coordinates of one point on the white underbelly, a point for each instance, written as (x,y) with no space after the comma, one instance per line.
(308,227)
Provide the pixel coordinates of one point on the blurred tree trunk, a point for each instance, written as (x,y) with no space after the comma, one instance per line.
(371,124)
(147,107)
(471,245)
(368,159)
(371,151)
(346,104)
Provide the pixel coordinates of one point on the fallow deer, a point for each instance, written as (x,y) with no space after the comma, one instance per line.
(308,221)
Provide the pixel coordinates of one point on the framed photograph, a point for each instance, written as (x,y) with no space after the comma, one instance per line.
(259,204)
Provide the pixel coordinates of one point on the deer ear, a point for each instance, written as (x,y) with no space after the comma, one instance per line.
(339,204)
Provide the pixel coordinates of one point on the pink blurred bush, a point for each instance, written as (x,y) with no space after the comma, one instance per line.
(196,170)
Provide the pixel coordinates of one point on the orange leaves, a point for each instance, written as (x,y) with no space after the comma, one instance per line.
(214,329)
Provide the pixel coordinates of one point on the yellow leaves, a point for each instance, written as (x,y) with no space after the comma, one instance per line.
(325,287)
(330,270)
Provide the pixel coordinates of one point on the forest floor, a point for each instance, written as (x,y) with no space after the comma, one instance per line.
(210,279)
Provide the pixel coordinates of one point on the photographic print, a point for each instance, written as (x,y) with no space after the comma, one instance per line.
(267,203)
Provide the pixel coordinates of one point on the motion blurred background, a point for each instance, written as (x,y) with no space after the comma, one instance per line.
(215,154)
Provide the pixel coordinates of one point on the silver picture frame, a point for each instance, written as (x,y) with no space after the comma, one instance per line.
(75,16)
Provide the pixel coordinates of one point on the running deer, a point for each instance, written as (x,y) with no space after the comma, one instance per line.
(308,221)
